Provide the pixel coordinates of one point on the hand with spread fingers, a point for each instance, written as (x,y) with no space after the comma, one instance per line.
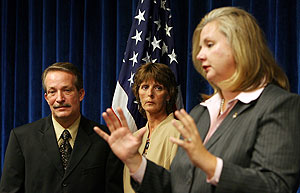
(122,142)
(192,143)
(249,125)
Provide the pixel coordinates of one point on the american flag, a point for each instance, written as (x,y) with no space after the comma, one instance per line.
(150,40)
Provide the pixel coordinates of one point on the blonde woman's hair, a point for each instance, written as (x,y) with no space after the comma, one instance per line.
(255,63)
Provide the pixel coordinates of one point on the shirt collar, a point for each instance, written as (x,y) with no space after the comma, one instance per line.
(73,129)
(244,97)
(167,119)
(247,97)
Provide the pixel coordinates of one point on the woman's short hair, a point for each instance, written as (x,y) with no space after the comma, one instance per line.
(161,74)
(66,67)
(255,63)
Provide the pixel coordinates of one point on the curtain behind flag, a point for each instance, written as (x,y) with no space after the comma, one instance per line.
(150,40)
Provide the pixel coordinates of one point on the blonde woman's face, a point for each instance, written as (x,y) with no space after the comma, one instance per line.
(215,54)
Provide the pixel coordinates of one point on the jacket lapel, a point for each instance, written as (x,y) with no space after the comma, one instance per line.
(203,127)
(81,146)
(51,147)
(227,123)
(201,113)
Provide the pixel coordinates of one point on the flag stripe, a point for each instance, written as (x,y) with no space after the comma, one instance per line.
(120,100)
(150,40)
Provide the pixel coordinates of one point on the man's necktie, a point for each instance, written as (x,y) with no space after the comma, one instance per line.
(65,148)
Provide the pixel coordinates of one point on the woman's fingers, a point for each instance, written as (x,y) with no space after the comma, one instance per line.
(180,128)
(141,133)
(122,117)
(101,133)
(113,118)
(190,123)
(112,121)
(108,122)
(185,128)
(177,141)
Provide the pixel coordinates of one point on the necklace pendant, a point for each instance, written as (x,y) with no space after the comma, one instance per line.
(222,106)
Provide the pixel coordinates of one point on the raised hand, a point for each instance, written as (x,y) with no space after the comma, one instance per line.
(192,143)
(124,145)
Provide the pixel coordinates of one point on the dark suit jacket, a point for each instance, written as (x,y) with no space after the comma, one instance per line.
(33,165)
(258,142)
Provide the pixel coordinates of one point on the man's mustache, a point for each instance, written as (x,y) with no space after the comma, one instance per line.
(63,105)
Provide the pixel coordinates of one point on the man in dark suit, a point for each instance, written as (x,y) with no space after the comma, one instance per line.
(40,159)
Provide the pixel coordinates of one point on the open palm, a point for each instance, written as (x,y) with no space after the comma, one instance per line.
(122,142)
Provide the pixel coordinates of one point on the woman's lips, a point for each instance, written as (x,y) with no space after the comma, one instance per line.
(206,67)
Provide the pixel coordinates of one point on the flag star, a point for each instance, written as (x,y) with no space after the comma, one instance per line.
(140,16)
(142,47)
(137,36)
(149,39)
(134,58)
(147,58)
(172,57)
(164,49)
(168,29)
(153,60)
(155,43)
(163,4)
(158,24)
(130,80)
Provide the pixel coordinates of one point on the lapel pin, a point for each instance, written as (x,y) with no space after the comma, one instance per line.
(234,115)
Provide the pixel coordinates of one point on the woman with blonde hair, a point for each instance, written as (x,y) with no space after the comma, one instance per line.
(245,138)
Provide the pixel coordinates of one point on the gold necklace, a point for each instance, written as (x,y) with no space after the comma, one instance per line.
(221,106)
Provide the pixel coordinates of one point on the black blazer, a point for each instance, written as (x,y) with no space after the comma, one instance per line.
(258,142)
(33,165)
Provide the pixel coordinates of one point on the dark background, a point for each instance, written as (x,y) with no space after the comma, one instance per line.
(92,34)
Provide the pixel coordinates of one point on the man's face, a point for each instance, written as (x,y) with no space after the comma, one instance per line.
(62,96)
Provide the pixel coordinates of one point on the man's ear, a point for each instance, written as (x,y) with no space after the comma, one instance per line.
(46,97)
(81,94)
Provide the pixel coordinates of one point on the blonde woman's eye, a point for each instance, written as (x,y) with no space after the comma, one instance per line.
(210,45)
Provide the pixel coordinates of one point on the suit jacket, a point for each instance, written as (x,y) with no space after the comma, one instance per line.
(258,142)
(33,164)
